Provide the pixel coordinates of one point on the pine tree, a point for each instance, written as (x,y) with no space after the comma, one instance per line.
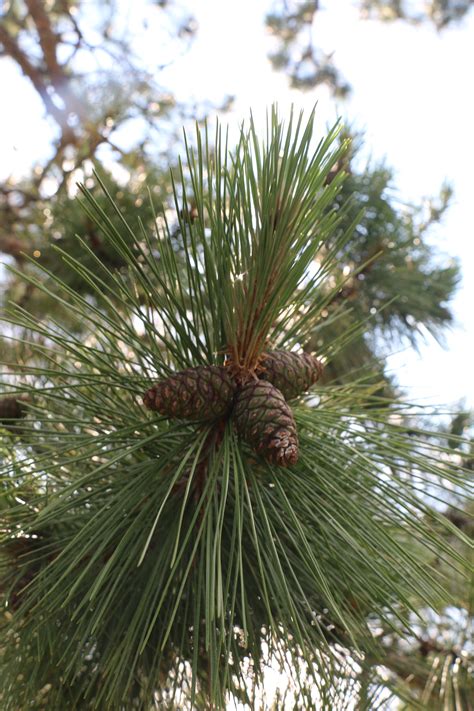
(158,558)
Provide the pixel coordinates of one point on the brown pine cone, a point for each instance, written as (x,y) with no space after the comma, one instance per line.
(292,373)
(12,408)
(202,393)
(265,421)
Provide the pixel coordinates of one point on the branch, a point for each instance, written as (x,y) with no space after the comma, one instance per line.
(12,246)
(35,76)
(47,39)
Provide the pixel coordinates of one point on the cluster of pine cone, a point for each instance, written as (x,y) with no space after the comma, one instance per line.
(261,414)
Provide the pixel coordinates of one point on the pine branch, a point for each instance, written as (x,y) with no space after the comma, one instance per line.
(169,555)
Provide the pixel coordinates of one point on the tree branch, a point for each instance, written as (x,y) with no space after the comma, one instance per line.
(13,50)
(47,39)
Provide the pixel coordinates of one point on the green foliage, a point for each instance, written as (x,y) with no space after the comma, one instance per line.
(390,248)
(67,219)
(391,255)
(393,278)
(155,562)
(57,223)
(383,284)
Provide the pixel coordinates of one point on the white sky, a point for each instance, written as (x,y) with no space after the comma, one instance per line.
(412,93)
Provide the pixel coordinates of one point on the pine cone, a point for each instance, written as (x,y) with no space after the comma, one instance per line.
(12,408)
(265,421)
(202,393)
(292,373)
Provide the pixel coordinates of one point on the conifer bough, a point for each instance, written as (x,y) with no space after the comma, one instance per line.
(125,595)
